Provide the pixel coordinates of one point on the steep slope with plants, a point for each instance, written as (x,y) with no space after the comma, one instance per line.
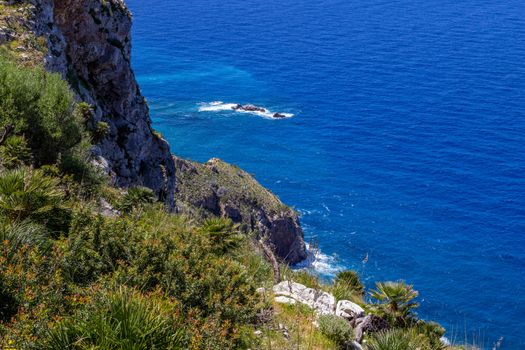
(88,43)
(86,264)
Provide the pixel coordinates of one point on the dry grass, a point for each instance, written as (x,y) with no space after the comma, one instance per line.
(292,328)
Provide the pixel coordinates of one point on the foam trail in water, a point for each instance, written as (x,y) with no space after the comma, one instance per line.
(218,106)
(318,262)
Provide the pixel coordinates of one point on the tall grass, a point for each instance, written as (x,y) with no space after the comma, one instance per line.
(123,320)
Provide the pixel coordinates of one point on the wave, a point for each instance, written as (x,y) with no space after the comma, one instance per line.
(219,106)
(318,262)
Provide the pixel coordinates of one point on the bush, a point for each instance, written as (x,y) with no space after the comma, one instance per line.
(223,234)
(336,329)
(101,131)
(121,320)
(83,178)
(398,339)
(136,198)
(348,286)
(21,235)
(433,332)
(28,194)
(95,246)
(40,106)
(15,152)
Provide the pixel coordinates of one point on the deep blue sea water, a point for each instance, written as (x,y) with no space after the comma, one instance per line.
(407,144)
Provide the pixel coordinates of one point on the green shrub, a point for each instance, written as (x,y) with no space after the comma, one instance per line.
(433,332)
(40,106)
(85,111)
(398,339)
(348,286)
(336,329)
(223,234)
(31,279)
(396,302)
(136,198)
(15,152)
(95,246)
(85,179)
(19,235)
(28,194)
(101,131)
(121,320)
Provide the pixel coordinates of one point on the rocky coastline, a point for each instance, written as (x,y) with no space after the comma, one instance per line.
(89,44)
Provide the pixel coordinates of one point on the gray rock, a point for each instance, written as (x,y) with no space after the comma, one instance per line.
(370,323)
(349,310)
(354,345)
(285,300)
(323,303)
(107,209)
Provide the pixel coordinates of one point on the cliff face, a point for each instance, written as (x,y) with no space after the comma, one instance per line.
(98,53)
(88,42)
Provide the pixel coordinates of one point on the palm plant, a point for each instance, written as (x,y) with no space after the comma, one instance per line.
(136,197)
(123,320)
(15,152)
(348,286)
(396,301)
(223,234)
(397,339)
(26,193)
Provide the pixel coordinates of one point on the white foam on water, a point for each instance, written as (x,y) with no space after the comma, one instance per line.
(319,262)
(218,106)
(445,341)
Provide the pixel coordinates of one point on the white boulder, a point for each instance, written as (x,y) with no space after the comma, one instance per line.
(349,310)
(325,304)
(322,302)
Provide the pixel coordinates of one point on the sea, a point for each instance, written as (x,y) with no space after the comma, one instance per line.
(403,142)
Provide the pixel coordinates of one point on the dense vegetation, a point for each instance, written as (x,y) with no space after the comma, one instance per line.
(73,276)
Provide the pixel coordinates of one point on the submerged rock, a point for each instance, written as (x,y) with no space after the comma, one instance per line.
(278,116)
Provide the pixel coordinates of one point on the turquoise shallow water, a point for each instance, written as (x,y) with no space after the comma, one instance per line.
(407,141)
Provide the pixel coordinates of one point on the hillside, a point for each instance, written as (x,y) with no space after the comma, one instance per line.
(111,242)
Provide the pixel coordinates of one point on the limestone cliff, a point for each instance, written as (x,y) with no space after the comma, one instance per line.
(88,42)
